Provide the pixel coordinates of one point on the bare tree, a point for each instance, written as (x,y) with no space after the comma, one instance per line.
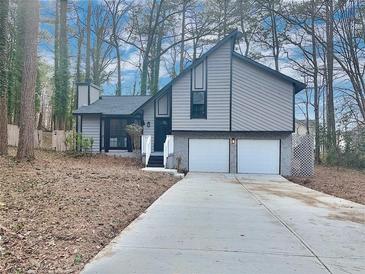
(117,10)
(88,40)
(80,41)
(101,53)
(249,20)
(331,125)
(153,22)
(29,75)
(182,45)
(349,52)
(4,8)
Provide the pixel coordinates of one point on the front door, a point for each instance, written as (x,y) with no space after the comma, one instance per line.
(162,128)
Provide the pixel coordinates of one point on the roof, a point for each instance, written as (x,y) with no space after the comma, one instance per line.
(298,86)
(114,105)
(233,35)
(126,105)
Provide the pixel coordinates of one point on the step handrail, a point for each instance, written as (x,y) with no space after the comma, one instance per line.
(168,148)
(147,147)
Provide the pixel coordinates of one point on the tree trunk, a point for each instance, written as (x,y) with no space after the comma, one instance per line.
(315,86)
(151,33)
(182,45)
(29,75)
(19,61)
(331,126)
(118,91)
(155,76)
(56,42)
(243,29)
(4,7)
(62,98)
(56,59)
(88,41)
(79,51)
(275,39)
(225,8)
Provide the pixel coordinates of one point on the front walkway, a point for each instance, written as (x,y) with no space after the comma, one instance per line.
(216,223)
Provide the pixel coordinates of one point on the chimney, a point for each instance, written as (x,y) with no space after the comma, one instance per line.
(87,93)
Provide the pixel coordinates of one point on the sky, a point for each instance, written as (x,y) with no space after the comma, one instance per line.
(130,56)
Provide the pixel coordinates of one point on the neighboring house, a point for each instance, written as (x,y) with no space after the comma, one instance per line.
(301,127)
(223,113)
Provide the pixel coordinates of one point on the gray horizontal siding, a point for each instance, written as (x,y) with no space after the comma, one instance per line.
(149,116)
(260,102)
(91,129)
(218,95)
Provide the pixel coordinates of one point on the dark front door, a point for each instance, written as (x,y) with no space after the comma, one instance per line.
(162,128)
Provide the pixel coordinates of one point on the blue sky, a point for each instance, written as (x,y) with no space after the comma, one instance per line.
(130,73)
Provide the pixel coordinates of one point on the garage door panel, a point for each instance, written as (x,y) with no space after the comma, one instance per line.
(209,155)
(258,156)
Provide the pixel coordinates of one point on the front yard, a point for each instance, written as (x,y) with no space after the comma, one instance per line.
(58,211)
(338,181)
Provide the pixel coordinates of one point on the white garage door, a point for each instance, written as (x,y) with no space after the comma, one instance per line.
(209,155)
(258,156)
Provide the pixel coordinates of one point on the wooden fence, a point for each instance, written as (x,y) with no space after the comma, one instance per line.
(55,140)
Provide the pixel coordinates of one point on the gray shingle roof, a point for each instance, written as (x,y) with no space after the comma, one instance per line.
(114,105)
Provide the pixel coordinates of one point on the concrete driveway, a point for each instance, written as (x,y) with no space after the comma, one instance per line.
(217,223)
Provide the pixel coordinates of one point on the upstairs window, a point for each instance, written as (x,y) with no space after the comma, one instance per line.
(198,104)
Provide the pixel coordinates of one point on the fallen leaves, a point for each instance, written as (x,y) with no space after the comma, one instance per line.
(341,182)
(57,212)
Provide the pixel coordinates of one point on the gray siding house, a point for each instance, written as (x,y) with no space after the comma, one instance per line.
(223,113)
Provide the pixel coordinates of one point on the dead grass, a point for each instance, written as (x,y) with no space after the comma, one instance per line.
(341,182)
(57,212)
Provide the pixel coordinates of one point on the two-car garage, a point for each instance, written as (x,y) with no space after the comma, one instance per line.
(260,156)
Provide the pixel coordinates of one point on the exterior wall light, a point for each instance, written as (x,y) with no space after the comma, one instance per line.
(148,124)
(233,141)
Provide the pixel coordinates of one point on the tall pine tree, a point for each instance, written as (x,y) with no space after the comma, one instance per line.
(61,94)
(29,75)
(4,7)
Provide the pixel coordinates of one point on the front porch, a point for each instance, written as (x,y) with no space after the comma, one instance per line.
(157,159)
(114,137)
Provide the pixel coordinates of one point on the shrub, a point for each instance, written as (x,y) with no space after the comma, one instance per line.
(77,144)
(351,152)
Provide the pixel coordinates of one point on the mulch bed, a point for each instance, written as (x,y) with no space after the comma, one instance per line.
(338,181)
(58,211)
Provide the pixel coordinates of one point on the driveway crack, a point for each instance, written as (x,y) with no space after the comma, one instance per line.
(297,236)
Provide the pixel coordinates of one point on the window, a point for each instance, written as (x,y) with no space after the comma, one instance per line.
(198,89)
(198,104)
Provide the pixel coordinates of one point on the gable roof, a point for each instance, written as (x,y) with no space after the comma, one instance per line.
(127,105)
(233,35)
(114,105)
(298,86)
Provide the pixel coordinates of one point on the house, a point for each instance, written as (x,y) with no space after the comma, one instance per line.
(223,113)
(301,127)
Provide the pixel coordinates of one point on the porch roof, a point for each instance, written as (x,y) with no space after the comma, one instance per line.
(114,105)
